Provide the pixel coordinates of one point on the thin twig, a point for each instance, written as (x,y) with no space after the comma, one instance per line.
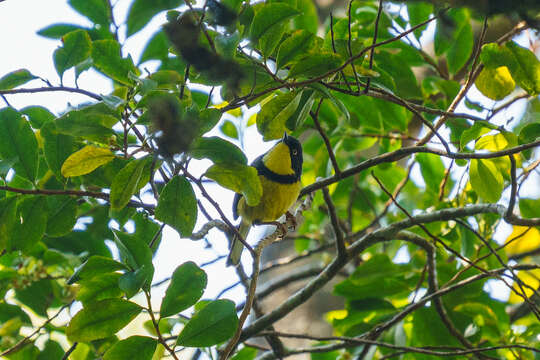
(340,242)
(331,155)
(155,323)
(26,339)
(372,51)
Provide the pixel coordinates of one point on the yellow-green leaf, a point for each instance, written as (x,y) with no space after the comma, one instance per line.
(127,182)
(271,121)
(486,179)
(239,178)
(86,160)
(522,239)
(495,83)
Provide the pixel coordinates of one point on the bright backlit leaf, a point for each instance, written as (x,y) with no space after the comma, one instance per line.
(486,179)
(239,178)
(86,160)
(15,78)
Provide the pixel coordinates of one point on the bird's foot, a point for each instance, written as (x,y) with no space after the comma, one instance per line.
(282,227)
(291,220)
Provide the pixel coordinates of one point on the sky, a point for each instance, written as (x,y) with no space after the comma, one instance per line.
(23,48)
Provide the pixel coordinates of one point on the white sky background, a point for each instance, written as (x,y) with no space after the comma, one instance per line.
(21,47)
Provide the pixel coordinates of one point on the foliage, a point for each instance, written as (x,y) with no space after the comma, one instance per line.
(355,90)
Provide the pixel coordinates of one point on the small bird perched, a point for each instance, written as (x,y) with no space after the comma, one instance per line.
(279,171)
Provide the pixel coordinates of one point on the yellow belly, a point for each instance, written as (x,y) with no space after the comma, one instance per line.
(276,199)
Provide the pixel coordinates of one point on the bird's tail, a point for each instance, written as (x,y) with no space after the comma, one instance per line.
(237,246)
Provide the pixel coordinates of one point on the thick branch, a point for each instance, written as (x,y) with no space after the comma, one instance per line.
(377,236)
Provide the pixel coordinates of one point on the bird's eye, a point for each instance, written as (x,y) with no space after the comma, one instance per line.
(295,152)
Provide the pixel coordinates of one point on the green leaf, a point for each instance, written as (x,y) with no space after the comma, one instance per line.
(56,147)
(76,48)
(128,182)
(86,160)
(432,169)
(239,178)
(17,140)
(37,115)
(522,63)
(157,48)
(134,252)
(132,281)
(95,266)
(461,49)
(56,31)
(218,150)
(227,44)
(327,94)
(108,59)
(96,10)
(186,287)
(529,133)
(270,40)
(38,296)
(377,277)
(529,208)
(302,111)
(403,77)
(315,65)
(308,18)
(428,329)
(474,132)
(272,119)
(486,179)
(101,319)
(526,68)
(418,13)
(62,215)
(294,47)
(142,11)
(229,129)
(268,16)
(246,353)
(100,287)
(51,350)
(91,122)
(214,323)
(447,30)
(132,348)
(15,78)
(8,213)
(8,312)
(494,55)
(177,206)
(31,223)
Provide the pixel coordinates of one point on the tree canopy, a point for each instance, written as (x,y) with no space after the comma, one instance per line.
(420,137)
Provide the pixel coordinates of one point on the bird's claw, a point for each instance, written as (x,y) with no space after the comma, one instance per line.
(290,219)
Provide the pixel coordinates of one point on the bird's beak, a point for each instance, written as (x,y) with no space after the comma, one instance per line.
(284,137)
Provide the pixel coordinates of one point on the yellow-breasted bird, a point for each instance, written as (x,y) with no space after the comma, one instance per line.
(279,171)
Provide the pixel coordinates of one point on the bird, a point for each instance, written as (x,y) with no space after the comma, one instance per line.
(279,171)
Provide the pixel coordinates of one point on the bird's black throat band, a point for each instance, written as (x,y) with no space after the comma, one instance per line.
(269,174)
